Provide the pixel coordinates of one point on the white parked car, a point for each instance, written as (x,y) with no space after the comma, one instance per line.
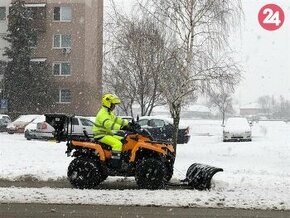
(237,129)
(18,125)
(4,121)
(39,129)
(30,129)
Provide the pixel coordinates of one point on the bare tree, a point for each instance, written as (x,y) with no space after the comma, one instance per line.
(265,103)
(275,108)
(220,96)
(281,108)
(133,63)
(200,30)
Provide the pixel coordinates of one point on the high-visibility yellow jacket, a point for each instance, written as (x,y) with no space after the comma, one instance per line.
(106,122)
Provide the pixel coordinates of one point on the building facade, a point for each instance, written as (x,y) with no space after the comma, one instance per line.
(251,111)
(4,8)
(69,38)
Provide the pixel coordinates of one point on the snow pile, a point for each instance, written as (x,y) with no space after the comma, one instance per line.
(240,197)
(256,174)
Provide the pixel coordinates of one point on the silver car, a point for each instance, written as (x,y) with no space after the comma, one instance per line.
(237,129)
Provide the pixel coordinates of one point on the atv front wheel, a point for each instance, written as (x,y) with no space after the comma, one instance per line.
(84,173)
(150,174)
(169,173)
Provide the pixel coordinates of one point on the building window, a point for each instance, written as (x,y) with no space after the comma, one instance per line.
(2,13)
(62,13)
(62,41)
(61,69)
(64,96)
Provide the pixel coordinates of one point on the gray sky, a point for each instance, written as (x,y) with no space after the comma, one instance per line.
(264,55)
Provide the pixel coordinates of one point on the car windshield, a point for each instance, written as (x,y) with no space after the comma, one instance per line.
(143,122)
(156,123)
(238,121)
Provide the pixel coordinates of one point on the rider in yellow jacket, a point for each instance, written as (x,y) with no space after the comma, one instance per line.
(106,125)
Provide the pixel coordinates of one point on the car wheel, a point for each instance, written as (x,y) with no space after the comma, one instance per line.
(26,135)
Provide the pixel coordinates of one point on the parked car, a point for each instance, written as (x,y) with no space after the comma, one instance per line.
(30,129)
(5,117)
(162,129)
(18,125)
(237,129)
(39,129)
(3,125)
(4,121)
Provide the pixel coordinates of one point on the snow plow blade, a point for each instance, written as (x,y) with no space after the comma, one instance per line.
(198,176)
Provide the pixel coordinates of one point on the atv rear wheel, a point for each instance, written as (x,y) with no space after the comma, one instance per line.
(150,174)
(84,173)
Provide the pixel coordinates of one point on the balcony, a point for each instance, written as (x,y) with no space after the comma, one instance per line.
(38,15)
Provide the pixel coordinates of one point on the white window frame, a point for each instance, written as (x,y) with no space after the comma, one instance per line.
(60,73)
(60,14)
(4,20)
(61,41)
(59,96)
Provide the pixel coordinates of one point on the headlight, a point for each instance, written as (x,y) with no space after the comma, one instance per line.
(226,132)
(248,132)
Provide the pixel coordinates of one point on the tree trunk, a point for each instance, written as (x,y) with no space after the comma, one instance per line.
(175,113)
(175,132)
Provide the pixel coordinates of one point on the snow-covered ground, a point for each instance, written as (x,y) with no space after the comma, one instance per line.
(256,174)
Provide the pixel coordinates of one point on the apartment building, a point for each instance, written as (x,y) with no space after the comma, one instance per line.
(70,39)
(4,6)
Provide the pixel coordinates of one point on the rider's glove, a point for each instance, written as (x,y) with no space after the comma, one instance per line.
(129,127)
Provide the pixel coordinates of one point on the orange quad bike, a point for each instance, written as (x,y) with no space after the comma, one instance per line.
(150,162)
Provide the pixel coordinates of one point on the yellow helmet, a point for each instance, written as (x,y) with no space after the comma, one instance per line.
(109,99)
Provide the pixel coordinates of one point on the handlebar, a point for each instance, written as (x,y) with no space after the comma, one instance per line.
(140,131)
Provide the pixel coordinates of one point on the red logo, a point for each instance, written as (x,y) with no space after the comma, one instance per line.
(271,17)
